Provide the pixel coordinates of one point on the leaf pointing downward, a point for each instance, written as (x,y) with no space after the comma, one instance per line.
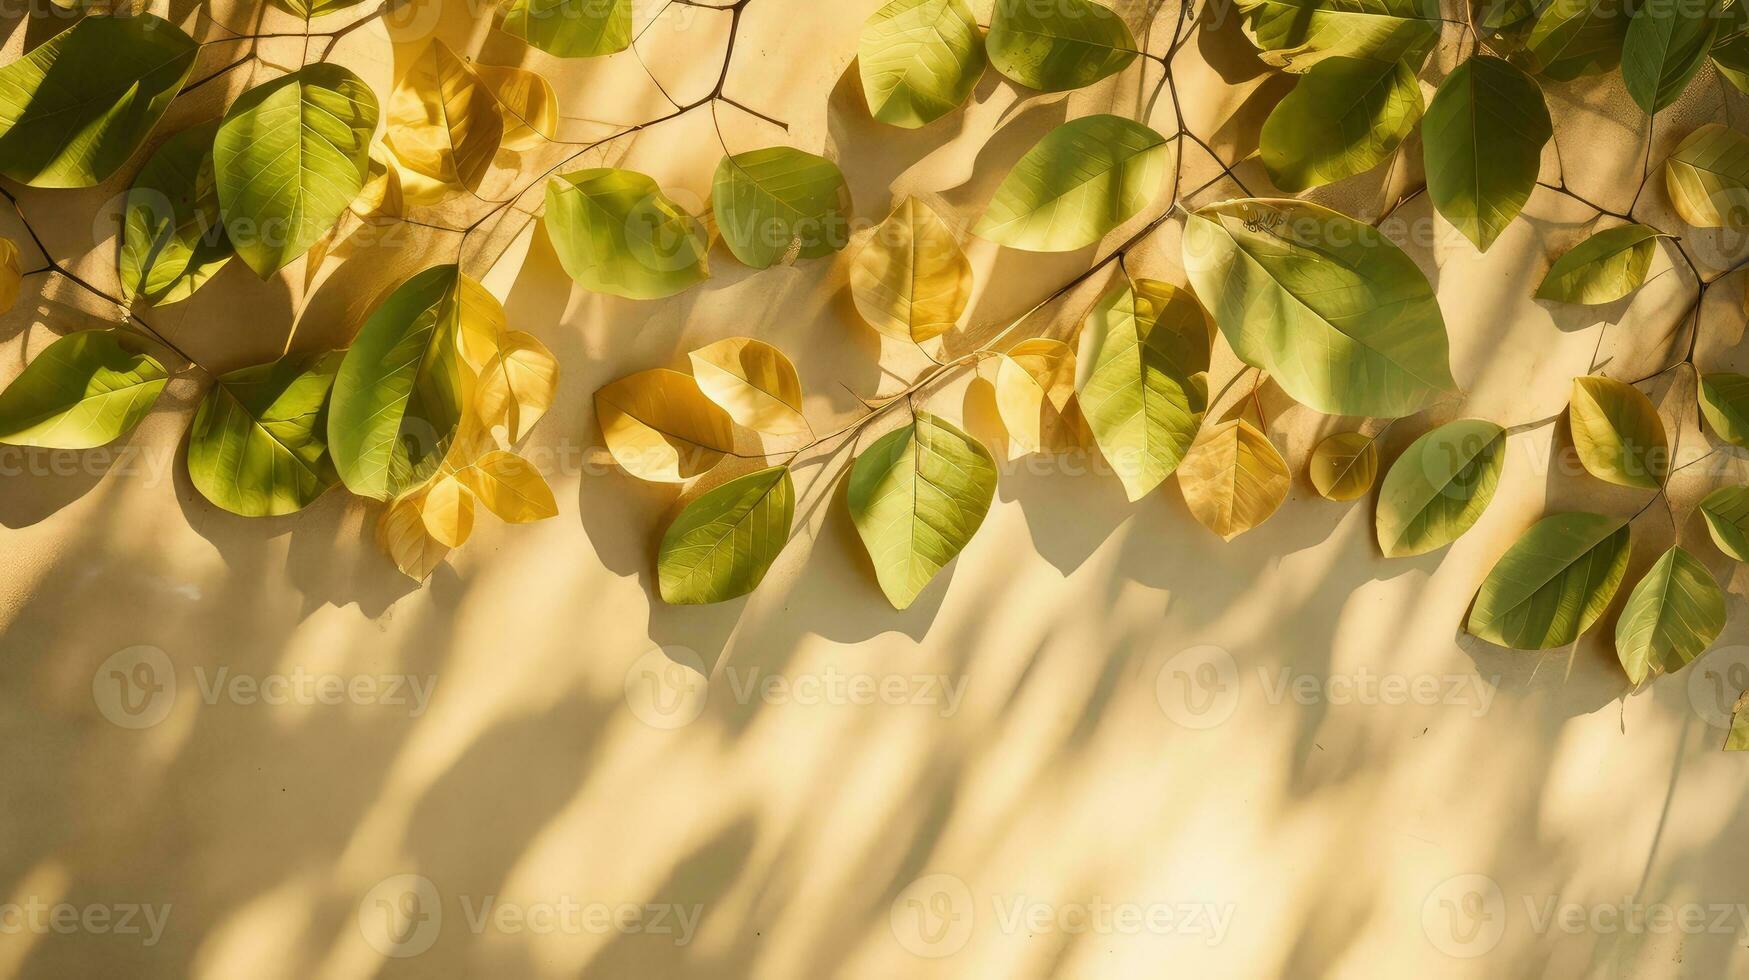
(1727,520)
(1724,402)
(443,120)
(661,427)
(1233,478)
(1483,138)
(258,447)
(916,497)
(1142,379)
(1671,617)
(1035,385)
(517,385)
(723,543)
(911,281)
(1708,178)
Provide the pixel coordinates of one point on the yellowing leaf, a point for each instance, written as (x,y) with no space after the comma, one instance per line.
(911,281)
(510,487)
(1440,486)
(1738,738)
(382,195)
(1035,386)
(919,60)
(1233,478)
(530,108)
(480,323)
(754,383)
(1708,178)
(84,390)
(443,121)
(401,533)
(517,385)
(1080,181)
(1603,268)
(1344,466)
(11,274)
(661,427)
(1617,433)
(448,512)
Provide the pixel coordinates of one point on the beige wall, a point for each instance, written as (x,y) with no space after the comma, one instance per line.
(563,759)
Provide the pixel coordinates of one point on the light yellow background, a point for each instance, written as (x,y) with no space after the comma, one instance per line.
(1118,739)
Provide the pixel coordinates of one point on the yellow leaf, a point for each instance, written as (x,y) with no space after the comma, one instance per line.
(1233,478)
(510,487)
(529,106)
(11,274)
(661,427)
(517,385)
(480,323)
(448,512)
(443,121)
(1617,433)
(401,533)
(754,383)
(911,281)
(1344,466)
(1035,385)
(381,195)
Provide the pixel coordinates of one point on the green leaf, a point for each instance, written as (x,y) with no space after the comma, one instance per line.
(572,28)
(1603,268)
(1671,617)
(1730,55)
(723,543)
(258,446)
(1059,45)
(1143,385)
(1617,433)
(1083,179)
(1708,178)
(920,60)
(1482,143)
(1439,487)
(1345,117)
(1341,319)
(1553,583)
(83,391)
(780,204)
(1572,38)
(1738,738)
(289,157)
(1727,520)
(1296,35)
(1666,43)
(74,110)
(308,10)
(172,239)
(398,398)
(916,497)
(616,232)
(1724,401)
